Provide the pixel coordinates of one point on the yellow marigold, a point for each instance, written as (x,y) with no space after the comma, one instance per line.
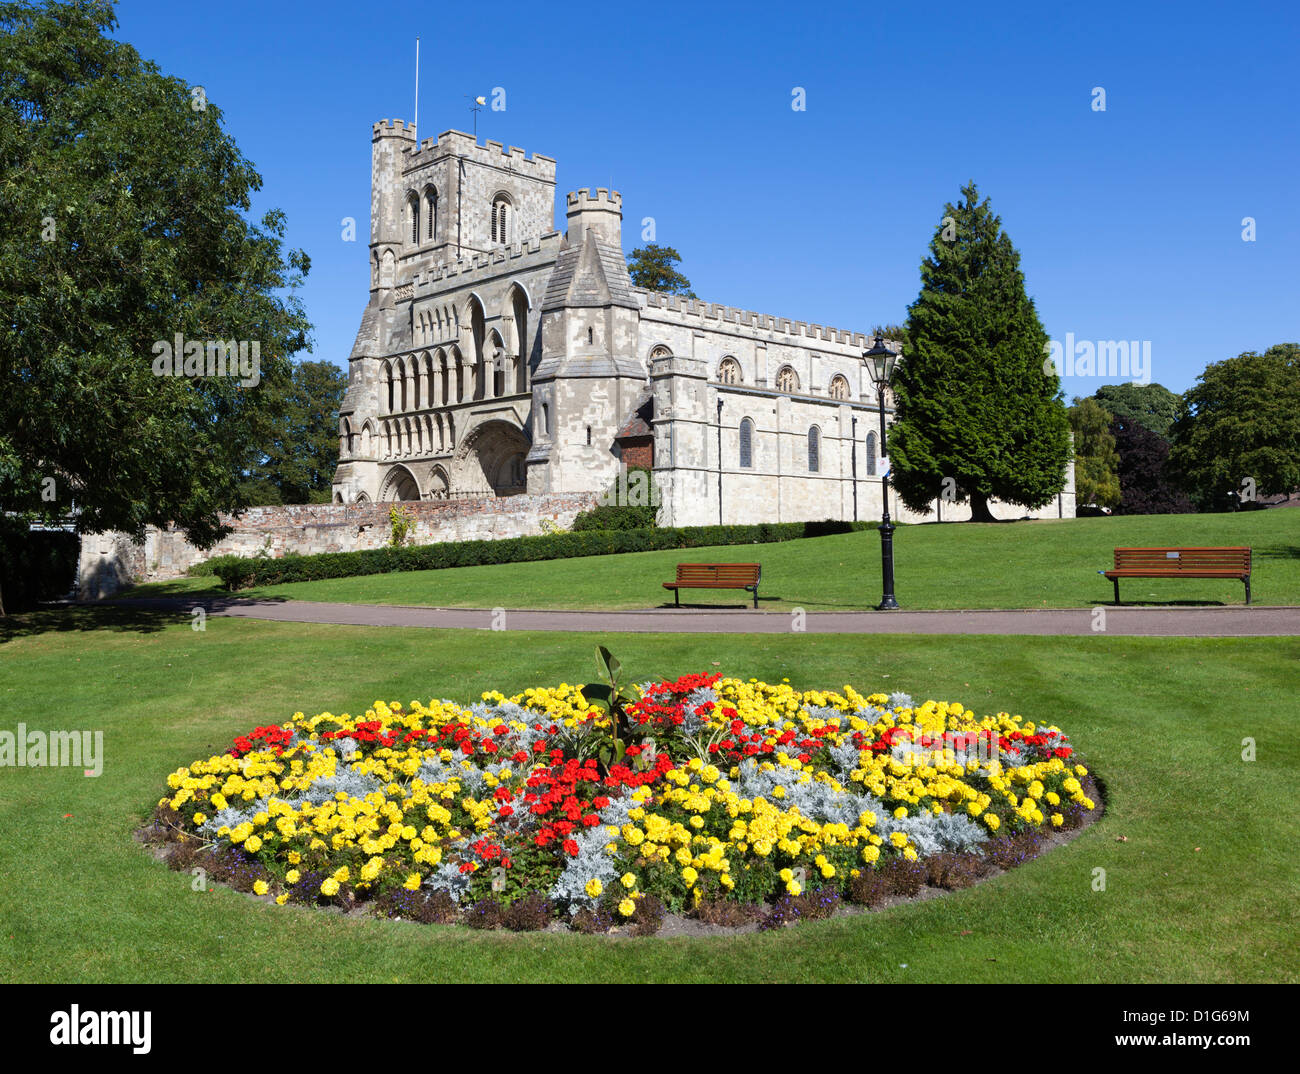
(627,880)
(627,907)
(412,882)
(594,887)
(330,886)
(260,887)
(253,844)
(690,875)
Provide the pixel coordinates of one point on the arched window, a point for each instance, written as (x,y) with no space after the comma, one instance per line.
(787,380)
(871,454)
(746,444)
(500,218)
(431,213)
(413,207)
(729,371)
(660,352)
(814,450)
(839,387)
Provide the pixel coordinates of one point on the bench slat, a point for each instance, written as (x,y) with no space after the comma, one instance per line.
(1181,562)
(717,576)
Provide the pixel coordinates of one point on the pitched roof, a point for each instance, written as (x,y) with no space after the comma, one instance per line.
(639,424)
(593,273)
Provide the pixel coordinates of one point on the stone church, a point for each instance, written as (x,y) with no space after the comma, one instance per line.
(498,356)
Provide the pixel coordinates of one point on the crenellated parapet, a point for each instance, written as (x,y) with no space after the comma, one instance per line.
(692,310)
(454,143)
(519,257)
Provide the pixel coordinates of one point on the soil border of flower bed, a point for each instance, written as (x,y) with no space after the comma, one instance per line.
(898,884)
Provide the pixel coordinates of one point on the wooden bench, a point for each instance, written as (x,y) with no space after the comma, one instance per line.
(1233,562)
(716,576)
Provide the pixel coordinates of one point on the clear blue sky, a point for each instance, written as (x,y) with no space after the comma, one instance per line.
(1129,221)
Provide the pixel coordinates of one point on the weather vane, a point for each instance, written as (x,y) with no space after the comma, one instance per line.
(476,107)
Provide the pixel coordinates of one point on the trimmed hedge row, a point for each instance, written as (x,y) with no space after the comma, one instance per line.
(238,573)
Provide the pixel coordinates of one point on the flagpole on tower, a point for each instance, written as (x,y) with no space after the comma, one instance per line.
(416,123)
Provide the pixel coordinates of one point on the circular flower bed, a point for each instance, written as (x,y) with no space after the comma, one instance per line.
(734,802)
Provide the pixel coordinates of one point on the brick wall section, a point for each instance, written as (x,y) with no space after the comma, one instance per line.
(109,561)
(638,451)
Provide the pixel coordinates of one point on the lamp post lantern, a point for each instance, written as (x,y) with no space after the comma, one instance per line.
(880,362)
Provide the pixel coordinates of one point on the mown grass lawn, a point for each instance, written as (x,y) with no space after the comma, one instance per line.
(1202,889)
(1042,564)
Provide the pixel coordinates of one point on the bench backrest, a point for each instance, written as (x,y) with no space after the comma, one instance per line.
(1183,559)
(726,574)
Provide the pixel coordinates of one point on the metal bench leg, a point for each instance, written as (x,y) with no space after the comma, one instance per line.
(756,598)
(1247,590)
(1116,581)
(677,597)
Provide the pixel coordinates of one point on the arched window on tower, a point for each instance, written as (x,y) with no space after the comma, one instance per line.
(871,454)
(839,387)
(501,218)
(746,444)
(787,380)
(729,371)
(814,450)
(413,207)
(431,214)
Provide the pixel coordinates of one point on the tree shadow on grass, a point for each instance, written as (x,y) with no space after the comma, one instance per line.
(139,616)
(60,618)
(1129,603)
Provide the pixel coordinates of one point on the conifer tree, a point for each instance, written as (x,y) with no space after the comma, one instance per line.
(978,401)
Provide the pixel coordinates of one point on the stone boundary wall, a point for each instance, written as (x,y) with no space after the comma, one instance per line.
(110,561)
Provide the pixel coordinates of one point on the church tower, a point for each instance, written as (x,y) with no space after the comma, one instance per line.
(590,378)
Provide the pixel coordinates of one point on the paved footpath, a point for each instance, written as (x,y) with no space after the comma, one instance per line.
(1232,621)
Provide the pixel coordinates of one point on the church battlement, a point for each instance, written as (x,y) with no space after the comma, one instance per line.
(694,307)
(578,200)
(393,128)
(514,258)
(490,154)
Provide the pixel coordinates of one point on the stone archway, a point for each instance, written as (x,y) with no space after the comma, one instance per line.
(400,484)
(490,460)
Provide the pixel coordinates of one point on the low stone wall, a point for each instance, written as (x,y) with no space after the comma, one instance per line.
(110,561)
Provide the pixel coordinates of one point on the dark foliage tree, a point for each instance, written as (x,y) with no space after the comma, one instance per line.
(124,206)
(978,400)
(1152,406)
(1096,480)
(654,267)
(303,451)
(1145,484)
(1237,432)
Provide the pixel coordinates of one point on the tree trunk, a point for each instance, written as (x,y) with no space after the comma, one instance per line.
(979,508)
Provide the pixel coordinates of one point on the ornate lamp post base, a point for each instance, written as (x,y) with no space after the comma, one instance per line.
(887,601)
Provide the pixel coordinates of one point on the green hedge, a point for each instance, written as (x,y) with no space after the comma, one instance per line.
(36,565)
(242,573)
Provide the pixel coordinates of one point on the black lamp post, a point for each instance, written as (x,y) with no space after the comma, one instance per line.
(880,367)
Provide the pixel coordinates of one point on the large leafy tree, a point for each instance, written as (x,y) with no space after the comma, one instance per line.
(1238,428)
(1145,485)
(1096,477)
(977,401)
(654,267)
(1152,406)
(124,206)
(303,451)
